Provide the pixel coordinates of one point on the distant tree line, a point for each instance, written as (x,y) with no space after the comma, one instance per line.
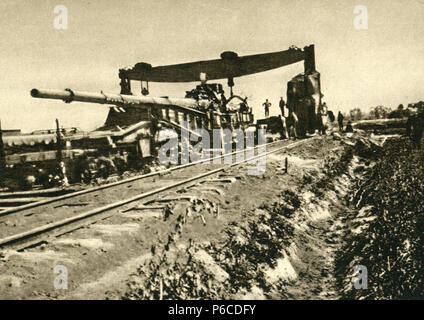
(382,112)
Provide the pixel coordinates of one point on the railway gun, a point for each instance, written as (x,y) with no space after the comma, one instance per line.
(131,134)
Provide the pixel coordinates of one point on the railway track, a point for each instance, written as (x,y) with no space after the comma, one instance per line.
(33,202)
(10,201)
(55,217)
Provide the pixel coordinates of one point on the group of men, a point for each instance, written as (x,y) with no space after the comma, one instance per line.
(267,106)
(283,106)
(415,124)
(289,117)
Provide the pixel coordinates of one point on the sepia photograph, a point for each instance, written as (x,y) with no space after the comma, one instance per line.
(227,151)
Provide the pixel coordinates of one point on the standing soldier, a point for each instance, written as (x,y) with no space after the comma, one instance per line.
(322,118)
(340,119)
(282,105)
(63,177)
(324,109)
(266,105)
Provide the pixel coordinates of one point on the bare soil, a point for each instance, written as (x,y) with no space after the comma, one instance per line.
(273,236)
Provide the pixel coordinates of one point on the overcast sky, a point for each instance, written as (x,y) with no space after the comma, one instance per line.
(359,68)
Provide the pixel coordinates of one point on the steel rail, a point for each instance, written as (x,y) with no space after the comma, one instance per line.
(113,184)
(14,239)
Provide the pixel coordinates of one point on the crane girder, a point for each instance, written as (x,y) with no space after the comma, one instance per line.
(229,66)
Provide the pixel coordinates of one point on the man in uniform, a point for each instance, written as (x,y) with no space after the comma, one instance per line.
(63,176)
(322,117)
(266,105)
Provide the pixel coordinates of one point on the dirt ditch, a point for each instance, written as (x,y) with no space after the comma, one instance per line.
(295,234)
(285,247)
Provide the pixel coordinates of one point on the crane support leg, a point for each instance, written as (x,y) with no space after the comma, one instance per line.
(309,59)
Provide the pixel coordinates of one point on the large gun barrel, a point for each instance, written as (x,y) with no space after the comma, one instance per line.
(69,95)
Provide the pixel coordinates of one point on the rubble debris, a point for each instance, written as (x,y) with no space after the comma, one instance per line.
(167,212)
